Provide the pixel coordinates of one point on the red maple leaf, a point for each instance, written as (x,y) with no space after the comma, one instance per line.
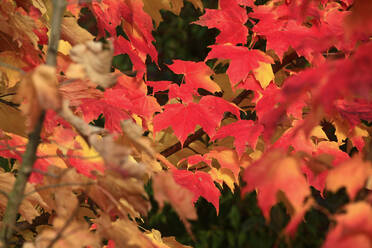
(197,74)
(275,173)
(107,20)
(242,60)
(123,46)
(353,229)
(184,118)
(230,20)
(200,183)
(244,131)
(218,106)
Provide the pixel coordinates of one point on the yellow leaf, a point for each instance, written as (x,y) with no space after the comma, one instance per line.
(64,47)
(264,74)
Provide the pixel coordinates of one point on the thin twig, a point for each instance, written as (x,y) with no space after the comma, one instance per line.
(67,156)
(45,173)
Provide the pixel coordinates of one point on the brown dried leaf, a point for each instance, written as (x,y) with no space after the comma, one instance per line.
(75,234)
(17,24)
(120,195)
(58,189)
(171,242)
(117,157)
(27,208)
(73,33)
(166,242)
(96,58)
(40,92)
(134,133)
(123,232)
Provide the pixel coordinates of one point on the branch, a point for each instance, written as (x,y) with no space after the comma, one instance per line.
(11,67)
(29,156)
(238,99)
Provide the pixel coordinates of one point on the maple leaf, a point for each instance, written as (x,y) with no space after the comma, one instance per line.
(166,189)
(219,106)
(355,111)
(39,89)
(360,170)
(79,234)
(353,229)
(185,92)
(27,208)
(105,21)
(159,85)
(181,199)
(197,74)
(242,60)
(18,24)
(271,175)
(95,58)
(264,74)
(138,27)
(73,33)
(244,131)
(196,159)
(123,232)
(184,118)
(166,242)
(123,46)
(92,108)
(86,160)
(200,183)
(229,19)
(227,159)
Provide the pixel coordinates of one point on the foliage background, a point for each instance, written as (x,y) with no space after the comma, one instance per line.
(240,222)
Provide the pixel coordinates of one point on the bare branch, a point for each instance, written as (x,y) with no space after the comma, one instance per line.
(29,156)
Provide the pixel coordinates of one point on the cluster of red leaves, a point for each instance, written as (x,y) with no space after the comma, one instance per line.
(280,153)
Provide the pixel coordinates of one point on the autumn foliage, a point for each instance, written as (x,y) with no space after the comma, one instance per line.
(291,112)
